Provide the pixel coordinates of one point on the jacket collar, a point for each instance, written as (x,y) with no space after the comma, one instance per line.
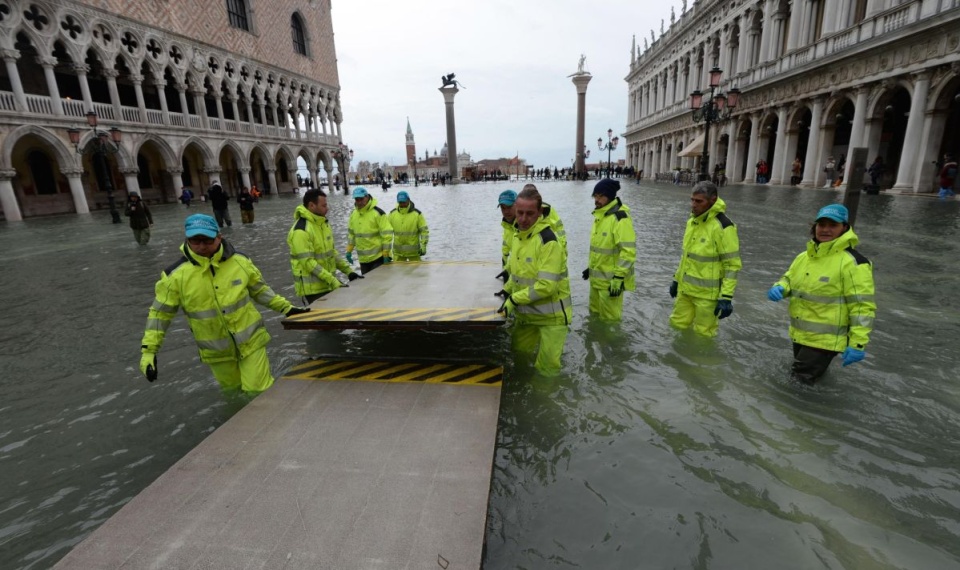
(225,252)
(844,241)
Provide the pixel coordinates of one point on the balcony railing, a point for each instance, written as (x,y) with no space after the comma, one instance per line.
(43,105)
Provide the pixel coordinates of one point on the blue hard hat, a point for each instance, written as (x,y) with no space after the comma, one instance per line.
(507,198)
(402,196)
(201,225)
(360,192)
(835,212)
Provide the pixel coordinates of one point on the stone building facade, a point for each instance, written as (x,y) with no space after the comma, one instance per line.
(818,77)
(231,90)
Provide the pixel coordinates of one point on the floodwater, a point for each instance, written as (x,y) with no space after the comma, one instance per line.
(653,449)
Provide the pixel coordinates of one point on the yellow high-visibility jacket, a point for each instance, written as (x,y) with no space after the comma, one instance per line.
(410,232)
(217,296)
(369,233)
(553,220)
(613,246)
(509,230)
(711,255)
(313,257)
(830,286)
(538,282)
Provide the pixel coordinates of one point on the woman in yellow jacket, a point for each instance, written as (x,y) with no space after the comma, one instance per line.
(830,286)
(410,231)
(216,286)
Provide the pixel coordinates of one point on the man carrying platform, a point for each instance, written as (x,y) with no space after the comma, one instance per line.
(214,285)
(506,203)
(410,232)
(537,291)
(313,258)
(369,232)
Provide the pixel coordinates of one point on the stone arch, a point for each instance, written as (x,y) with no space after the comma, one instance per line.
(201,145)
(166,151)
(65,157)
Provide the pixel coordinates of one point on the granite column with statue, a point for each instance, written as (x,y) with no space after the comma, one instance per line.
(580,79)
(448,93)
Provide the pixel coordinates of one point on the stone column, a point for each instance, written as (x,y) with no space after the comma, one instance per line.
(130,178)
(329,171)
(48,63)
(8,198)
(907,171)
(753,147)
(176,176)
(796,19)
(934,124)
(200,104)
(162,96)
(10,57)
(236,110)
(245,176)
(249,103)
(218,99)
(857,129)
(730,160)
(81,69)
(580,81)
(272,179)
(292,175)
(448,93)
(315,176)
(766,31)
(780,162)
(811,162)
(339,134)
(184,108)
(137,81)
(110,75)
(826,150)
(263,113)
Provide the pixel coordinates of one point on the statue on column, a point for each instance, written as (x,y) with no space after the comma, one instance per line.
(583,60)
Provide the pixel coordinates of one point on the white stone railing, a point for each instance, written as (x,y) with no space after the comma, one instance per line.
(73,108)
(7,101)
(195,122)
(154,117)
(214,123)
(104,111)
(130,114)
(39,104)
(176,119)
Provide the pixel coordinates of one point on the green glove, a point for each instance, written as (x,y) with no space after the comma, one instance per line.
(148,365)
(387,259)
(350,257)
(423,250)
(616,287)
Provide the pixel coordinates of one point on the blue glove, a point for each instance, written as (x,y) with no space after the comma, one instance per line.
(775,293)
(724,308)
(616,287)
(852,355)
(387,259)
(508,307)
(350,257)
(673,289)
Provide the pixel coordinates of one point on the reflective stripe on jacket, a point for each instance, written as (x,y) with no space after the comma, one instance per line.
(217,296)
(410,231)
(313,257)
(613,246)
(538,282)
(369,232)
(830,286)
(509,230)
(711,255)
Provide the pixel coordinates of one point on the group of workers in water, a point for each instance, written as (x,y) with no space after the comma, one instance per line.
(829,285)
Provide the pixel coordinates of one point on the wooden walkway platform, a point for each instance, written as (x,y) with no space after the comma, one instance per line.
(388,467)
(433,295)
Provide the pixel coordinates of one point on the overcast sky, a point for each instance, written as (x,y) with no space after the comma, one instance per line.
(513,59)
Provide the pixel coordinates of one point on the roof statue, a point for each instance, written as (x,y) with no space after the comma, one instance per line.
(661,26)
(653,39)
(645,46)
(673,16)
(683,10)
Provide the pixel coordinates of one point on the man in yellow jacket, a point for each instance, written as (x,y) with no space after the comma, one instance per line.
(706,278)
(509,223)
(537,291)
(313,258)
(831,291)
(613,252)
(216,286)
(410,231)
(368,232)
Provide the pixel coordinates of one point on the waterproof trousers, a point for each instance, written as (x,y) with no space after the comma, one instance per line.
(246,216)
(223,217)
(545,340)
(810,363)
(609,309)
(142,236)
(250,374)
(695,311)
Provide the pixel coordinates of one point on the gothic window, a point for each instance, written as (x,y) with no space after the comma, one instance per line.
(237,13)
(299,38)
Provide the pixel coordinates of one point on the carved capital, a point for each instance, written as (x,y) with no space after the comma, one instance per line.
(244,169)
(271,170)
(211,170)
(10,54)
(74,172)
(110,73)
(129,171)
(7,174)
(136,79)
(46,61)
(176,171)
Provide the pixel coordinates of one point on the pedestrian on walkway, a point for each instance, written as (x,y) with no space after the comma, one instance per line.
(876,171)
(141,220)
(368,232)
(214,285)
(830,286)
(246,200)
(537,291)
(186,196)
(613,253)
(948,176)
(796,171)
(704,283)
(219,200)
(313,257)
(831,169)
(410,231)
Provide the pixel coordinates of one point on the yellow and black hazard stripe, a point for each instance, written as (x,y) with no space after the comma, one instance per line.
(380,371)
(395,317)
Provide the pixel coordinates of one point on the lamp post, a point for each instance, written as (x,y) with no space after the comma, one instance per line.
(99,147)
(715,109)
(611,145)
(344,155)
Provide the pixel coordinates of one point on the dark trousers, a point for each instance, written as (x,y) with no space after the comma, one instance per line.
(222,216)
(368,267)
(810,363)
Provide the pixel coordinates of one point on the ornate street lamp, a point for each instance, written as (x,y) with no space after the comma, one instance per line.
(611,145)
(344,155)
(101,145)
(715,109)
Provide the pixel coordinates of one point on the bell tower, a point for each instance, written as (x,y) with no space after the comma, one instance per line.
(411,146)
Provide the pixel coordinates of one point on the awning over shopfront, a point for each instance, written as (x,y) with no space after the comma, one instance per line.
(693,149)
